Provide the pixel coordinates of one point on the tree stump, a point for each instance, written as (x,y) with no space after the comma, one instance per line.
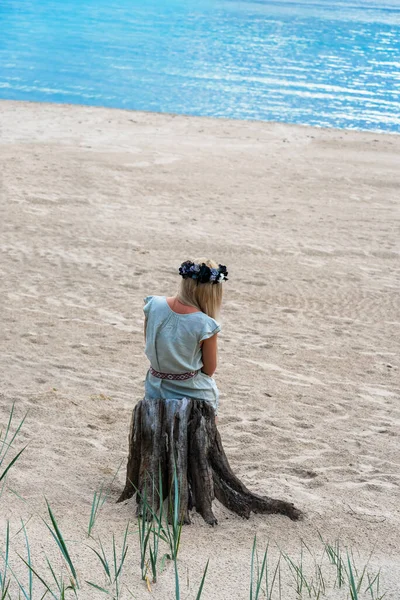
(180,438)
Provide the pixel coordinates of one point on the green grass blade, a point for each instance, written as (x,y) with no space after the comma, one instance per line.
(99,498)
(371,583)
(53,574)
(321,580)
(115,566)
(42,581)
(5,592)
(124,553)
(60,542)
(202,582)
(123,557)
(21,587)
(8,427)
(3,485)
(93,512)
(177,524)
(153,564)
(6,558)
(260,574)
(145,544)
(353,562)
(28,552)
(177,590)
(252,567)
(164,558)
(14,460)
(97,587)
(277,568)
(8,445)
(353,588)
(103,562)
(297,573)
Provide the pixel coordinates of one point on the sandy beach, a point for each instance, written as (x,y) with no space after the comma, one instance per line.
(98,209)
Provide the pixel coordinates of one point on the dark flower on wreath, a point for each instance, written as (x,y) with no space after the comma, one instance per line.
(186,269)
(202,273)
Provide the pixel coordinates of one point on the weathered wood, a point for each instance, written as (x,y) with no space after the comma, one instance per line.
(200,471)
(233,494)
(177,414)
(180,437)
(152,452)
(134,456)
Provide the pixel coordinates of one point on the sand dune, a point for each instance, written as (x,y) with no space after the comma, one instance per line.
(98,209)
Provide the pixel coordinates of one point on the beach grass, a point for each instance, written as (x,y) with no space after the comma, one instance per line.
(335,574)
(112,567)
(329,570)
(100,497)
(7,439)
(336,571)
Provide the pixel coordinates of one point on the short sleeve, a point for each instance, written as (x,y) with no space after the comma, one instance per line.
(147,304)
(210,328)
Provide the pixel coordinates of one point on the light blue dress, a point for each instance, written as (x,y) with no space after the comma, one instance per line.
(173,346)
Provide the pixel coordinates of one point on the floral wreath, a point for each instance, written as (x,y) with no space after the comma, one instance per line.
(202,273)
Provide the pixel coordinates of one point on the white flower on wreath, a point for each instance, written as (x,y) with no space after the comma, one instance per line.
(221,278)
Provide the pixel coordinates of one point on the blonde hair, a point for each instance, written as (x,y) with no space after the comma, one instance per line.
(206,297)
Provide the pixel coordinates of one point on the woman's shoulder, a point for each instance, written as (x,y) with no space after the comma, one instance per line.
(153,298)
(152,301)
(209,326)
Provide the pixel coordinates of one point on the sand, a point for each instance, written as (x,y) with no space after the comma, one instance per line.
(98,209)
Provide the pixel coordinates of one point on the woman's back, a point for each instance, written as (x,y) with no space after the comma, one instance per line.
(173,340)
(173,347)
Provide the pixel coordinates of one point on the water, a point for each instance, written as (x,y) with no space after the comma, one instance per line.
(316,62)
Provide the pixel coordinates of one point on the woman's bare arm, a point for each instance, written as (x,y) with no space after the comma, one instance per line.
(209,349)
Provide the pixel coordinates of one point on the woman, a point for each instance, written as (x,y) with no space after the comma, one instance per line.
(181,335)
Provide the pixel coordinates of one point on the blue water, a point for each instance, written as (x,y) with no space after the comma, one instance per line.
(316,62)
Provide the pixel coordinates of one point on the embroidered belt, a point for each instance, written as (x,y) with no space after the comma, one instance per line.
(173,376)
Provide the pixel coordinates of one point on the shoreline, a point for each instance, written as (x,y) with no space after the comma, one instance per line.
(100,207)
(188,116)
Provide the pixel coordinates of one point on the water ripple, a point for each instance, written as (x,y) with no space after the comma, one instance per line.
(305,62)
